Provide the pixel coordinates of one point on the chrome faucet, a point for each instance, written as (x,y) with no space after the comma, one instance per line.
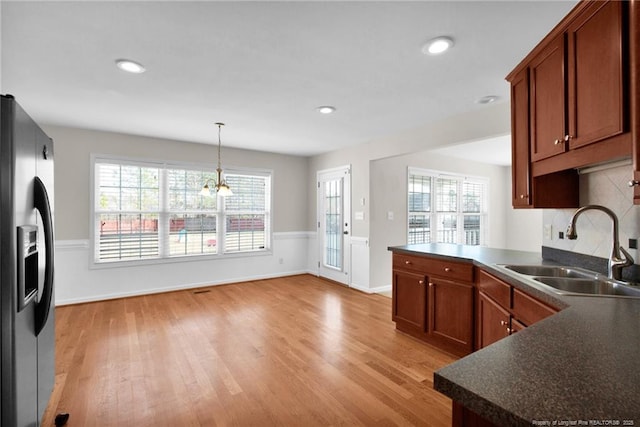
(616,262)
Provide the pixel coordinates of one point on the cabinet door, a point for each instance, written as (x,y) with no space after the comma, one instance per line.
(520,164)
(596,80)
(516,326)
(529,310)
(451,313)
(493,321)
(547,73)
(409,299)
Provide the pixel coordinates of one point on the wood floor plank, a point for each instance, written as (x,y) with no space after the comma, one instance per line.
(290,351)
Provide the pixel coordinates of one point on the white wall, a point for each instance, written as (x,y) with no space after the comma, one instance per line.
(523,227)
(484,122)
(389,178)
(77,282)
(294,214)
(73,148)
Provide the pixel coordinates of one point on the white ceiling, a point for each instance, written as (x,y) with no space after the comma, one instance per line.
(495,151)
(263,67)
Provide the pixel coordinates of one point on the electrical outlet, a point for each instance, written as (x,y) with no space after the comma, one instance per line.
(548,232)
(633,243)
(560,235)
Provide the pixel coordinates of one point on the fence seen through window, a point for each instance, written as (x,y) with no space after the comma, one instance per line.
(446,208)
(145,211)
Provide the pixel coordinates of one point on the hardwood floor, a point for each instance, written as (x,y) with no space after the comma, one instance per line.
(289,351)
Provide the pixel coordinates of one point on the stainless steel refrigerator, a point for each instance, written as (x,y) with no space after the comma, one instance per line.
(26,267)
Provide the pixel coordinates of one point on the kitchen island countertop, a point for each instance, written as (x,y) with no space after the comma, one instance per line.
(580,366)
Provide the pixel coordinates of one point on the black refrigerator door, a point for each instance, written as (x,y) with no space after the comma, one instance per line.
(19,342)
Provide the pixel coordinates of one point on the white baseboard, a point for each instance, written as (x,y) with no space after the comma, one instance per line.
(136,293)
(292,253)
(371,290)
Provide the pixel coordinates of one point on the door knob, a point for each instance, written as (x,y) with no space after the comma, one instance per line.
(633,183)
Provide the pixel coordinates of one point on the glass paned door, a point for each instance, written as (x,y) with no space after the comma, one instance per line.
(334,224)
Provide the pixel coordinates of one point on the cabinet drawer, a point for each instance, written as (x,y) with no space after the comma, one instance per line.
(529,310)
(495,288)
(434,267)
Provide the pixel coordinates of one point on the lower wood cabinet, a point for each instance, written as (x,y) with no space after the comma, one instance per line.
(433,300)
(462,417)
(409,300)
(458,308)
(492,320)
(451,314)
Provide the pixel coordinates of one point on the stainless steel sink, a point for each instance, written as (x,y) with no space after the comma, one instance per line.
(551,271)
(589,286)
(577,281)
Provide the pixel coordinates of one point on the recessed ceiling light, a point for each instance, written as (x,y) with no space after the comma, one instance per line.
(489,99)
(437,46)
(326,109)
(130,66)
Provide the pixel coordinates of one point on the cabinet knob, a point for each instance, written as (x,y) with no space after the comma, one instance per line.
(633,183)
(407,262)
(430,284)
(567,138)
(556,142)
(509,330)
(522,196)
(421,282)
(447,269)
(504,323)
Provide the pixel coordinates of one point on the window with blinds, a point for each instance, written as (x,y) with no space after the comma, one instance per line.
(127,212)
(246,212)
(145,211)
(446,208)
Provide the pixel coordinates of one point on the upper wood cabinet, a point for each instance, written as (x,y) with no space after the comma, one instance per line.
(520,160)
(582,102)
(578,83)
(596,79)
(548,101)
(556,190)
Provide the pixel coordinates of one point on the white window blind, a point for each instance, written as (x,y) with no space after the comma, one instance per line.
(192,217)
(127,211)
(246,213)
(148,211)
(446,208)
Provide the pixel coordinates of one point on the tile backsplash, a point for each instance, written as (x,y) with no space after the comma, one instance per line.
(607,187)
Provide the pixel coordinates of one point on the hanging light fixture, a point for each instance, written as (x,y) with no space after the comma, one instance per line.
(220,185)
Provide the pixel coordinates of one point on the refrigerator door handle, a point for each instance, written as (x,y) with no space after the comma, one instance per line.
(41,202)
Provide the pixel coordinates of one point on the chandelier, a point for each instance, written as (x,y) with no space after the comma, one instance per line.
(220,184)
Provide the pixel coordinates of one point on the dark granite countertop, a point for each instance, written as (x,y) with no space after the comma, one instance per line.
(578,367)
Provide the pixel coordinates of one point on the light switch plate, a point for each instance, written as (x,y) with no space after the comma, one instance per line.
(548,232)
(390,215)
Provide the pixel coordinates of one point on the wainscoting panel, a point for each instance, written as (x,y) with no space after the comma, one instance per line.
(76,282)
